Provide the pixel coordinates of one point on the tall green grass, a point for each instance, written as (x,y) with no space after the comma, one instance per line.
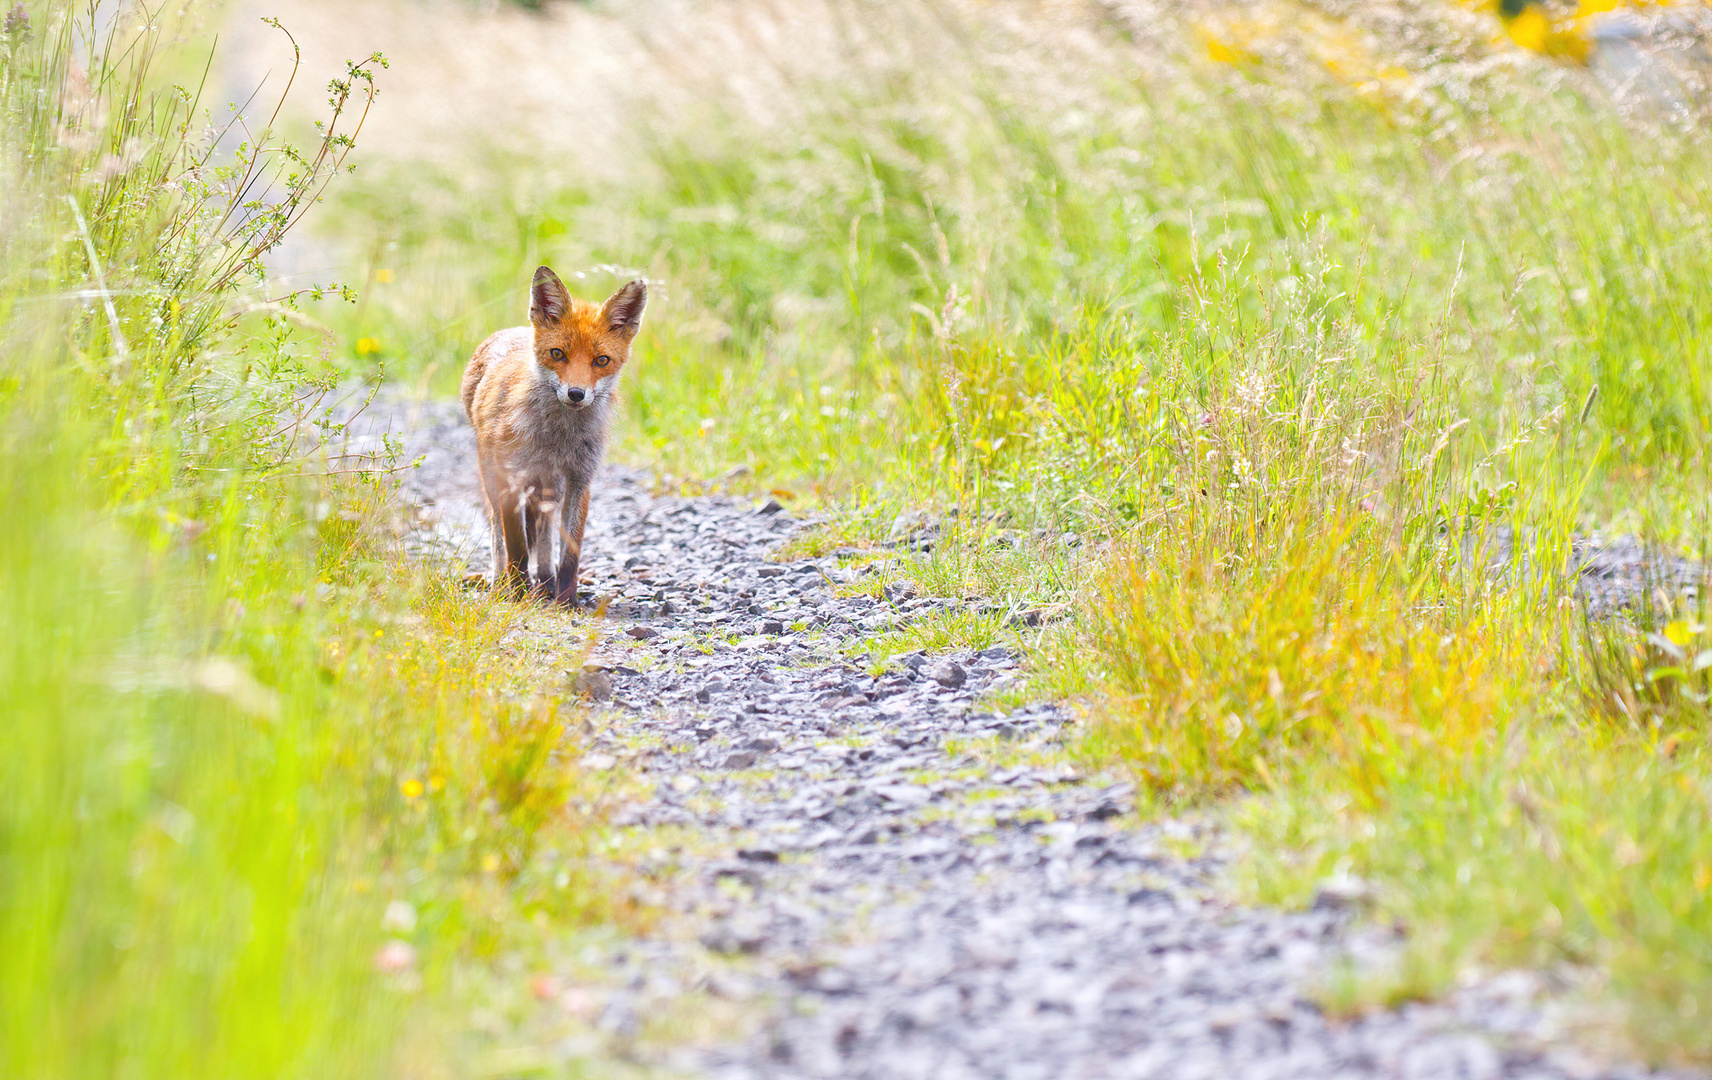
(237,728)
(951,235)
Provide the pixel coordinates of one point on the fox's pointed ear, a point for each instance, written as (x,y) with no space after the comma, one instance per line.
(548,300)
(623,310)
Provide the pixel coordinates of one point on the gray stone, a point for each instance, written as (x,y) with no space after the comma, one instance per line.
(593,685)
(906,794)
(949,674)
(726,937)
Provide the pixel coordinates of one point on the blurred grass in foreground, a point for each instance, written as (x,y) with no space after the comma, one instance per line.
(237,729)
(1322,372)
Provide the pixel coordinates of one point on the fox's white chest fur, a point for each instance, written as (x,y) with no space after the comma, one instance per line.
(554,447)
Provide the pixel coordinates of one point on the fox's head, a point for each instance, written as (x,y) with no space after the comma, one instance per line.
(581,347)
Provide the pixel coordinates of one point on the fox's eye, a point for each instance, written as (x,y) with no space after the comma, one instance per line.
(602,361)
(557,354)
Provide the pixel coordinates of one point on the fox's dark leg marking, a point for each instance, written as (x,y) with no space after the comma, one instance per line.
(573,516)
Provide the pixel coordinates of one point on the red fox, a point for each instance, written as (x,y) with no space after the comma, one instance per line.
(541,398)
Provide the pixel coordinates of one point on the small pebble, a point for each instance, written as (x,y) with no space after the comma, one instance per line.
(950,675)
(593,686)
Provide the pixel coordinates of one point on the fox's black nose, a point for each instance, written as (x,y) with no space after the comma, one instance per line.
(576,394)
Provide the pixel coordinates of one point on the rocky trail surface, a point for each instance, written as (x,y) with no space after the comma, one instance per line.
(896,880)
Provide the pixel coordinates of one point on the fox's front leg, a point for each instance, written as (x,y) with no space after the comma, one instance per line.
(496,534)
(573,516)
(495,496)
(515,578)
(537,525)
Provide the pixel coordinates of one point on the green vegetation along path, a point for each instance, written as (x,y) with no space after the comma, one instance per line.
(883,877)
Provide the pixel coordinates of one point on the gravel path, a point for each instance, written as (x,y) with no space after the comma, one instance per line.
(889,901)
